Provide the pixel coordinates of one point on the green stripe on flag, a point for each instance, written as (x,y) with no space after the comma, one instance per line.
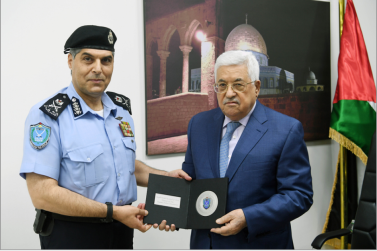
(356,120)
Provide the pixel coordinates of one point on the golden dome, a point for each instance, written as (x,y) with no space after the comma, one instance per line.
(246,38)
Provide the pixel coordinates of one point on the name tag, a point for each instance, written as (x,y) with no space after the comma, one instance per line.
(167,200)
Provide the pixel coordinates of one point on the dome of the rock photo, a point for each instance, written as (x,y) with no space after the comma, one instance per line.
(310,79)
(311,76)
(246,38)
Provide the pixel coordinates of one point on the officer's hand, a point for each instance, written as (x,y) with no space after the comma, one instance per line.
(141,206)
(128,215)
(234,221)
(163,223)
(163,226)
(179,173)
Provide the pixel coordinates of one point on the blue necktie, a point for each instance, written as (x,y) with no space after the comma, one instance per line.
(224,147)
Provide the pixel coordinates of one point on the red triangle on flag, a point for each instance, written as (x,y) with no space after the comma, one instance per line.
(355,78)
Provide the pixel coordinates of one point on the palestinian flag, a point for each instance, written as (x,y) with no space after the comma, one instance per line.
(353,119)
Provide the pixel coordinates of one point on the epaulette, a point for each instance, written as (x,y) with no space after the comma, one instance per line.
(55,105)
(120,100)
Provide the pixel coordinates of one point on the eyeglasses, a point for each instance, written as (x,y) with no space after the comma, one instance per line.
(237,86)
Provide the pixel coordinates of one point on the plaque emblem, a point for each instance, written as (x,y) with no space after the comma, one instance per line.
(206,203)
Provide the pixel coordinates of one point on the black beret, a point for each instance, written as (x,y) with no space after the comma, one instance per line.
(91,36)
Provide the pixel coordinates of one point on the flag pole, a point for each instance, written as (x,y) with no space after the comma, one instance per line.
(343,158)
(341,17)
(343,195)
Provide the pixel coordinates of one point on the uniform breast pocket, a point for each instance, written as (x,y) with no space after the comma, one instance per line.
(130,145)
(87,165)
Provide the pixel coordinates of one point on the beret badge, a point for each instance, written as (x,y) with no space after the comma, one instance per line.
(110,37)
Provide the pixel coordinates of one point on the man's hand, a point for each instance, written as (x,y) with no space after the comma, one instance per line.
(179,173)
(142,172)
(132,217)
(139,216)
(234,221)
(162,225)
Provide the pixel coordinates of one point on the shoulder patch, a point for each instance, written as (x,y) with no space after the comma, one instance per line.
(39,136)
(55,105)
(120,100)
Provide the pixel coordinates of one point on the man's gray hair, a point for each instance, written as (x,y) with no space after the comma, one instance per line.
(75,51)
(239,58)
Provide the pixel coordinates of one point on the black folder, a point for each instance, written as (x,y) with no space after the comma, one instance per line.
(185,215)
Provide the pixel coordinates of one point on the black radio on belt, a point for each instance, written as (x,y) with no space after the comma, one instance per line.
(43,223)
(40,219)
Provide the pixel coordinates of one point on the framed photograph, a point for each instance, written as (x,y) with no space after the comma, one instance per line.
(183,38)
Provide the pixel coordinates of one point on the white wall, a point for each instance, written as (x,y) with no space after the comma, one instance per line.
(33,67)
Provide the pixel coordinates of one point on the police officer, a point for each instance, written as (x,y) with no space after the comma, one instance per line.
(79,155)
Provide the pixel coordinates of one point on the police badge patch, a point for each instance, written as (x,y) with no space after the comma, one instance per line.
(39,136)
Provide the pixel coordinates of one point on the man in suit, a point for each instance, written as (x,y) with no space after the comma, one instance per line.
(261,151)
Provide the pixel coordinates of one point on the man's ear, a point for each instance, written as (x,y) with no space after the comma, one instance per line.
(257,87)
(70,60)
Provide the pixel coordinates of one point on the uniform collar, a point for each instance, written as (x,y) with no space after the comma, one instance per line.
(108,104)
(243,121)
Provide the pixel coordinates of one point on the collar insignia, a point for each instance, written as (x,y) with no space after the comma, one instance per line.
(76,107)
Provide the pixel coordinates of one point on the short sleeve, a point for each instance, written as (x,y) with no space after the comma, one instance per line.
(41,150)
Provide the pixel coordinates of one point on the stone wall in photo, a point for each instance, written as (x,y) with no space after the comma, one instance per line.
(169,116)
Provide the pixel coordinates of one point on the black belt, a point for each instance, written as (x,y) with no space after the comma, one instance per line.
(80,219)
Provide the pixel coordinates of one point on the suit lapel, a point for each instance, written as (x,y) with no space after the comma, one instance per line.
(214,130)
(251,135)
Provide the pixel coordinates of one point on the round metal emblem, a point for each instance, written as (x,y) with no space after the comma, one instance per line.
(207,203)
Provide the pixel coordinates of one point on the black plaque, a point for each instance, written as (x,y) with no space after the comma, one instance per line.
(201,202)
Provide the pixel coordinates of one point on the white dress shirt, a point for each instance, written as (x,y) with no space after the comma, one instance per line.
(238,132)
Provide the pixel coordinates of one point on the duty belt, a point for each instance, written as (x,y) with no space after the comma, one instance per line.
(44,221)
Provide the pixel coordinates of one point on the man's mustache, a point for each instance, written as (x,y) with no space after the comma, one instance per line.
(96,77)
(226,100)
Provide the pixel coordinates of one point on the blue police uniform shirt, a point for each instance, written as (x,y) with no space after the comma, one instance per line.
(87,154)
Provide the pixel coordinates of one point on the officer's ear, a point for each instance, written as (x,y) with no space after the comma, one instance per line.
(70,60)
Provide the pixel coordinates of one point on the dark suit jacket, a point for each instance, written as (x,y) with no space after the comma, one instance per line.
(269,176)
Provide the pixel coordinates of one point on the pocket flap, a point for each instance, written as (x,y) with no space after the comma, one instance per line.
(130,143)
(86,154)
